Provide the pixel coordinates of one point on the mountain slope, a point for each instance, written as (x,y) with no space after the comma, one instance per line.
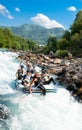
(37,33)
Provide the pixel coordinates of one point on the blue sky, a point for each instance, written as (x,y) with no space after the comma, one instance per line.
(47,13)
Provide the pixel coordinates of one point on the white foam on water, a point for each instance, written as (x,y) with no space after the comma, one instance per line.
(55,111)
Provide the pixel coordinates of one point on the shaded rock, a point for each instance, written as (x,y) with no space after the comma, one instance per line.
(62,72)
(71,87)
(4,111)
(79,97)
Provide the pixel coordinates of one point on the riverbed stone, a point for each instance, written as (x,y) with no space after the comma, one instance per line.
(68,70)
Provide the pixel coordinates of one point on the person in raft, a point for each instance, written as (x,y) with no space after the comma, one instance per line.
(46,78)
(37,81)
(26,79)
(20,72)
(29,66)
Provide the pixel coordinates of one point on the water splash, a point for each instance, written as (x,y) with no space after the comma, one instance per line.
(55,111)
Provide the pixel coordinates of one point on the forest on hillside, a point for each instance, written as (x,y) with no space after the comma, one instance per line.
(71,41)
(10,41)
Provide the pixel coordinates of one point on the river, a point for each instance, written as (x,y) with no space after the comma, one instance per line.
(55,111)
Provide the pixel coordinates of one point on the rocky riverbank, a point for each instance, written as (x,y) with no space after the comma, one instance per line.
(68,70)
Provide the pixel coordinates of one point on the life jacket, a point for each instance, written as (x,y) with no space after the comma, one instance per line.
(20,73)
(46,78)
(27,80)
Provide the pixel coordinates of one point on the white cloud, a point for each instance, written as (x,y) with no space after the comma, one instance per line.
(10,16)
(5,12)
(17,9)
(44,21)
(72,8)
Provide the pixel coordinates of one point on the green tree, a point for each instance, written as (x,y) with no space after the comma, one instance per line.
(63,44)
(76,41)
(32,46)
(16,46)
(2,38)
(51,44)
(67,35)
(77,25)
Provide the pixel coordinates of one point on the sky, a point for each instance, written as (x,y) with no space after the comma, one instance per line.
(46,13)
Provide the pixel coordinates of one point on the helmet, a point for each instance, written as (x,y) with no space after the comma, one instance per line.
(22,66)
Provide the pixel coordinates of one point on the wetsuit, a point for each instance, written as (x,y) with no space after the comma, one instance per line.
(39,84)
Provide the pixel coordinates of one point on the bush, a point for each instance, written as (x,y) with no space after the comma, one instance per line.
(62,53)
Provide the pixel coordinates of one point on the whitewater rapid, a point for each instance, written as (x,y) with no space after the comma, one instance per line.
(55,111)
